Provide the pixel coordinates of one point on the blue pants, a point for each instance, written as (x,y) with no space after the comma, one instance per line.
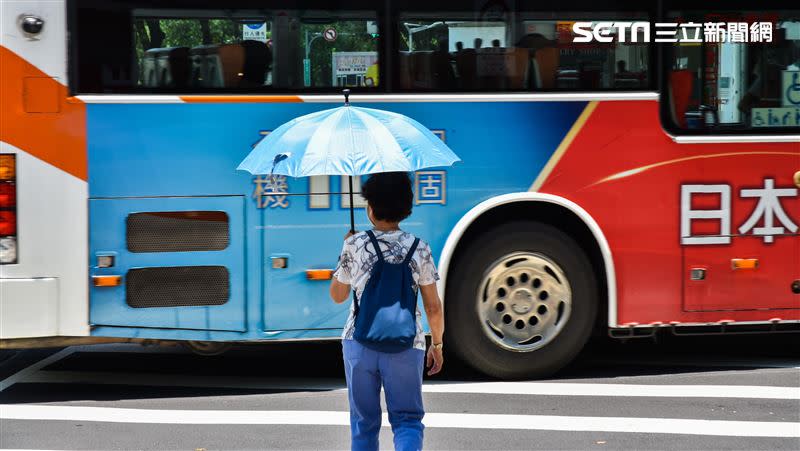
(401,376)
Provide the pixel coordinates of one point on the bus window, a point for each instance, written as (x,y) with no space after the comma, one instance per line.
(213,49)
(742,82)
(335,50)
(201,52)
(515,51)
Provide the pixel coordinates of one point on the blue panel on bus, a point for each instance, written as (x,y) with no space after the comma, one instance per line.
(193,150)
(162,279)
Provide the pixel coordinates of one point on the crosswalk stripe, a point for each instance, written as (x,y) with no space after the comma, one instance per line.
(619,390)
(702,362)
(513,388)
(432,420)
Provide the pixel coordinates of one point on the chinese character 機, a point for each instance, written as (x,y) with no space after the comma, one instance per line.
(270,191)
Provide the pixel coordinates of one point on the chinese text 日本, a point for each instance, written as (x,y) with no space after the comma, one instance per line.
(768,212)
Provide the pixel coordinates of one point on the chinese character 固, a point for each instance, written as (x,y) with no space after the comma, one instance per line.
(430,187)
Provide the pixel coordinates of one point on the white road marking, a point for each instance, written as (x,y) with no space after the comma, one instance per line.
(620,390)
(512,388)
(432,420)
(732,362)
(32,369)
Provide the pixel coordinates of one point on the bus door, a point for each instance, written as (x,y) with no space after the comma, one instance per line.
(175,263)
(303,236)
(740,209)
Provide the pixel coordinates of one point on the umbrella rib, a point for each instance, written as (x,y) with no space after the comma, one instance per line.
(380,151)
(328,148)
(352,137)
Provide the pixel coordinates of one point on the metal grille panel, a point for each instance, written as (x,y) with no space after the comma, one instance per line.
(177,231)
(178,286)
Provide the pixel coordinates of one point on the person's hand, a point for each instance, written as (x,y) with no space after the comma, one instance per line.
(349,234)
(435,360)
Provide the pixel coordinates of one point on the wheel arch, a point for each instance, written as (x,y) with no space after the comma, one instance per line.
(550,209)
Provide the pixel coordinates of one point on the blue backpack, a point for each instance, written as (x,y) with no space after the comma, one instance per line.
(386,318)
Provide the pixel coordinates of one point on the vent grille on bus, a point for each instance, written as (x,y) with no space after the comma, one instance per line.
(177,231)
(178,286)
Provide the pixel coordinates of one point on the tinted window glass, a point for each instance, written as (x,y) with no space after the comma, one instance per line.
(214,49)
(749,80)
(514,51)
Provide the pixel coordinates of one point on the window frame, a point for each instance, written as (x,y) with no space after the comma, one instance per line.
(73,44)
(665,54)
(399,8)
(387,16)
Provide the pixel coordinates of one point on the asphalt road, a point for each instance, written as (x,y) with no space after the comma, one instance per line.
(680,393)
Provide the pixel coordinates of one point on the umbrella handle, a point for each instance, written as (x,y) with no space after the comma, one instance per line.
(346,93)
(352,214)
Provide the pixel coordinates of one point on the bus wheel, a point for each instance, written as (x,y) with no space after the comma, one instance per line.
(207,348)
(522,301)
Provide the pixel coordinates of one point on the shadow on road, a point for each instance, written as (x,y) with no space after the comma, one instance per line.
(319,365)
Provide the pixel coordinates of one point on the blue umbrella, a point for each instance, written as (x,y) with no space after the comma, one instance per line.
(348,141)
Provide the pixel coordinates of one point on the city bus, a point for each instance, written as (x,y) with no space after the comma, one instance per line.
(641,180)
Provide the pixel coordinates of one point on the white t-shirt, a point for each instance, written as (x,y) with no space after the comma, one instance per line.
(358,256)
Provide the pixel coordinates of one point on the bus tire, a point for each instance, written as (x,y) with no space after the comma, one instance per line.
(207,348)
(522,301)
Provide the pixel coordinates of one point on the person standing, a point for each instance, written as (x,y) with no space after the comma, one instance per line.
(374,355)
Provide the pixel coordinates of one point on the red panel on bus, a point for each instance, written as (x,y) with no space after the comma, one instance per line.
(631,178)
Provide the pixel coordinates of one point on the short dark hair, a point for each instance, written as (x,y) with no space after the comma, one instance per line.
(389,194)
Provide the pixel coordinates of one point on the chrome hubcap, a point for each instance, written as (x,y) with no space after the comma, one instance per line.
(524,301)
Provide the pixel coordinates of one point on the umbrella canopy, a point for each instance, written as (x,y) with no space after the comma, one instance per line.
(348,141)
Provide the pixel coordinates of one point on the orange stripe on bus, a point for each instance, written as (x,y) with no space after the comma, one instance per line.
(241,99)
(58,136)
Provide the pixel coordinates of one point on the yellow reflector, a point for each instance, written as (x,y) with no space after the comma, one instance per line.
(319,274)
(744,263)
(107,281)
(8,167)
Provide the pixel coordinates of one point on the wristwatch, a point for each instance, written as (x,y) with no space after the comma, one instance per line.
(437,345)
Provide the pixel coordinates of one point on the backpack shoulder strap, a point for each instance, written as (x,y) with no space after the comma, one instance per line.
(375,244)
(411,251)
